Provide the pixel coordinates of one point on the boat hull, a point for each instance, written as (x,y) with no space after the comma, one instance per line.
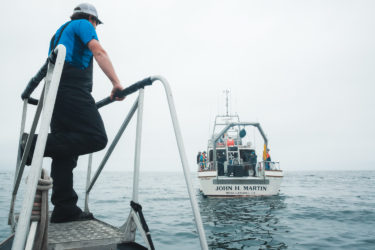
(240,186)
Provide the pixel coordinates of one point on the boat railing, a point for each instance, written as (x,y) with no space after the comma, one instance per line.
(133,220)
(23,230)
(45,109)
(270,165)
(208,166)
(260,168)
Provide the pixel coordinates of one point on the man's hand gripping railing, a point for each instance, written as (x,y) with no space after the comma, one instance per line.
(127,91)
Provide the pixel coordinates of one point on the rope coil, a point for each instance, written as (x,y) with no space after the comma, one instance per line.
(40,211)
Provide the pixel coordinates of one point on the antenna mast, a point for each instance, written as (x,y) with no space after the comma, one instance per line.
(227,103)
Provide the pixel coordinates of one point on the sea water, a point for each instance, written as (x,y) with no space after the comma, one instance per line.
(314,210)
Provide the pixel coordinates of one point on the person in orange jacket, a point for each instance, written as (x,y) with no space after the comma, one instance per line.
(268,160)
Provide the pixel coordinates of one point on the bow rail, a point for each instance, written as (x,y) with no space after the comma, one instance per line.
(52,71)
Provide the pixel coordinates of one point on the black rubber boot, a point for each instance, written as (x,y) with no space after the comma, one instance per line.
(79,217)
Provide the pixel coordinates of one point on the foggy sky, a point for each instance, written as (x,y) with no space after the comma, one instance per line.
(303,69)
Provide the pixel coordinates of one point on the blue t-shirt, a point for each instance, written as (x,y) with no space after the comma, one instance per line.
(75,38)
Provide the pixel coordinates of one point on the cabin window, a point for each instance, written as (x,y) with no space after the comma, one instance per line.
(220,155)
(245,154)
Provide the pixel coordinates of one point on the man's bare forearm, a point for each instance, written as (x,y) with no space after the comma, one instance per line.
(104,62)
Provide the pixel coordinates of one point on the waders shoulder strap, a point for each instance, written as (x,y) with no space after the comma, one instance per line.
(53,44)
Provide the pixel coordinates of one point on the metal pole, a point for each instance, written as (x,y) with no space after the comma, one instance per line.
(215,139)
(31,236)
(36,166)
(226,94)
(22,162)
(23,122)
(137,156)
(88,183)
(113,145)
(22,129)
(262,133)
(185,165)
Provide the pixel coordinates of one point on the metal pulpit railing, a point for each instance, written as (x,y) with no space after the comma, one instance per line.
(135,221)
(52,70)
(45,110)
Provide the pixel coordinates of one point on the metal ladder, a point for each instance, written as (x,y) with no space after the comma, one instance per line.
(25,232)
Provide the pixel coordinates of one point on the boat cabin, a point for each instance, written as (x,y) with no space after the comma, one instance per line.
(234,160)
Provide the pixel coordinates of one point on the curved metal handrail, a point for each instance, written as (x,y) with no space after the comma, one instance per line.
(184,161)
(52,82)
(127,91)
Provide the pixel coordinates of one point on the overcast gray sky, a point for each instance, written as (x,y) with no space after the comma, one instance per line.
(303,69)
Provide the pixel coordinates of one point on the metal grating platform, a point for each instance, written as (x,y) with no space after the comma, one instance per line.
(92,234)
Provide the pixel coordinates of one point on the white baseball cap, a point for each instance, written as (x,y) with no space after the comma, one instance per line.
(88,9)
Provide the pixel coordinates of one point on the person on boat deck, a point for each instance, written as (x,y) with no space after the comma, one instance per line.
(221,140)
(201,160)
(253,161)
(268,160)
(198,157)
(204,160)
(76,126)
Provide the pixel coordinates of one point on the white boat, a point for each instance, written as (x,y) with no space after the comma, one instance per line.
(231,167)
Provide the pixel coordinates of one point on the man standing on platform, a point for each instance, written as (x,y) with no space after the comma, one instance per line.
(76,126)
